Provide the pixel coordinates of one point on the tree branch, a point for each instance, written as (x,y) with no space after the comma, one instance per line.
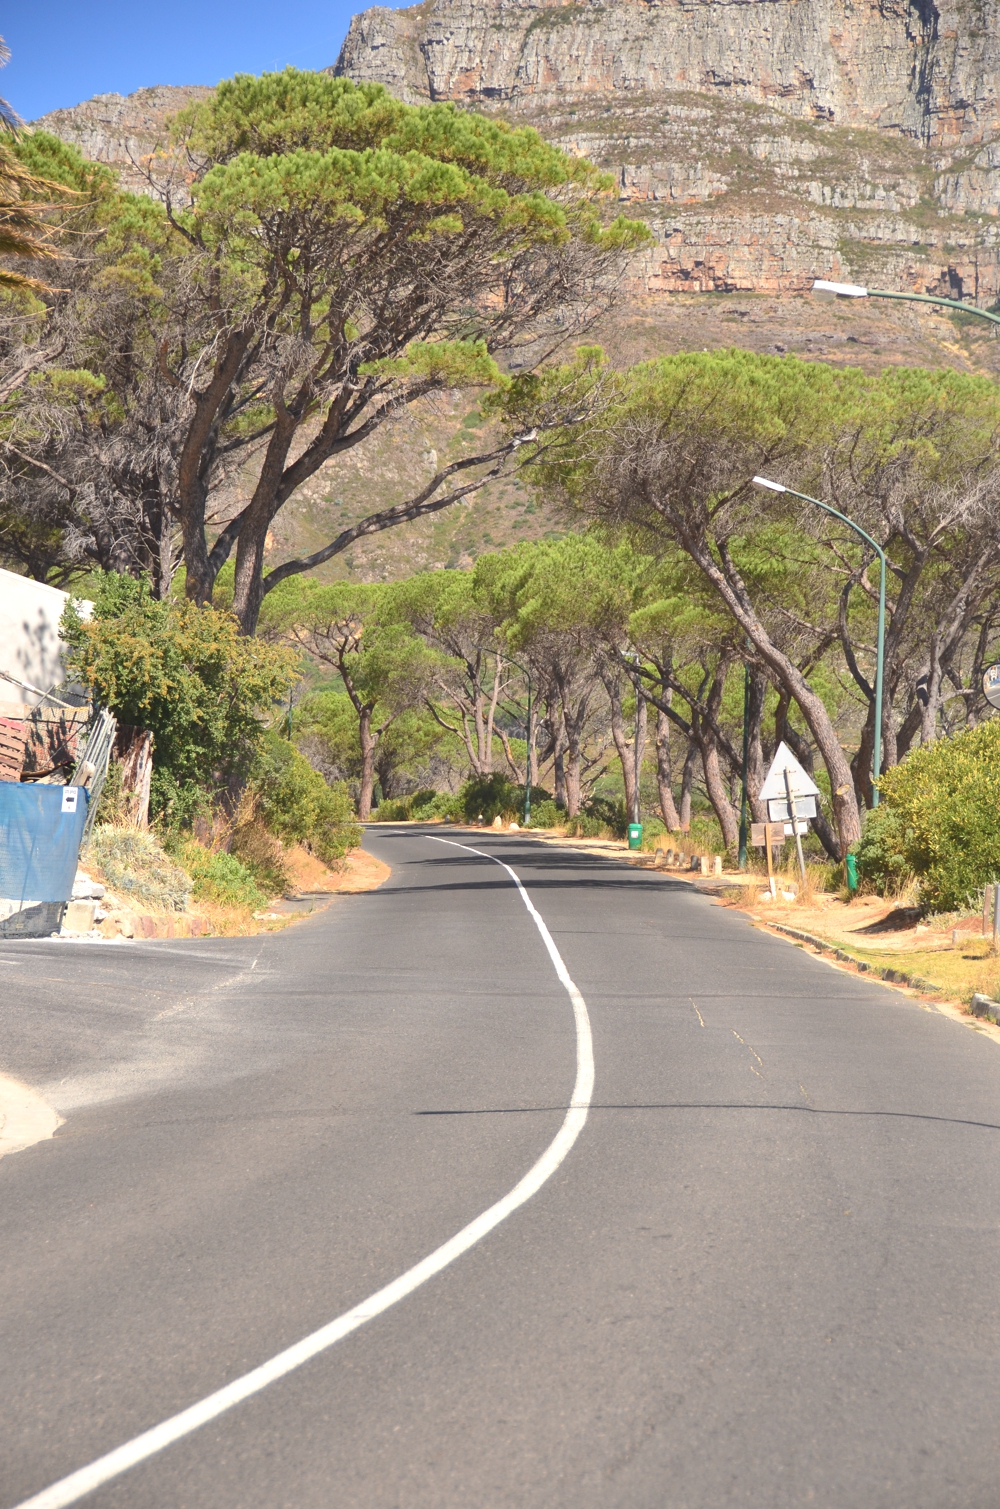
(424,503)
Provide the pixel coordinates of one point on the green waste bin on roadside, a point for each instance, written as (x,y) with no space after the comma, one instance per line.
(851,869)
(635,835)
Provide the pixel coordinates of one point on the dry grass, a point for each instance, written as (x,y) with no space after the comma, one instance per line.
(948,952)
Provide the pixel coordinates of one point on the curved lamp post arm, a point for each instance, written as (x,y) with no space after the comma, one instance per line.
(779,487)
(856,291)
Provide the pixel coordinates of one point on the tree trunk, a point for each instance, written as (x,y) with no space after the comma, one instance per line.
(248,592)
(733,593)
(625,747)
(664,772)
(135,749)
(369,743)
(573,758)
(715,786)
(756,769)
(574,723)
(687,783)
(703,727)
(554,719)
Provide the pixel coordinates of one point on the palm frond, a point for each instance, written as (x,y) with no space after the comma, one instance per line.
(9,118)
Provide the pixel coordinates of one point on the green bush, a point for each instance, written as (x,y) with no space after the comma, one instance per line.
(706,835)
(421,807)
(137,869)
(187,674)
(653,829)
(295,802)
(220,877)
(394,810)
(585,826)
(547,815)
(940,819)
(881,857)
(258,850)
(490,796)
(610,813)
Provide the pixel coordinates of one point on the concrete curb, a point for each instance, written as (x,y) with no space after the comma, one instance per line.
(891,976)
(983,1007)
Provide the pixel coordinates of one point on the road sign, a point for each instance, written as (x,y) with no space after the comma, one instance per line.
(774,782)
(779,832)
(991,685)
(776,788)
(790,794)
(777,808)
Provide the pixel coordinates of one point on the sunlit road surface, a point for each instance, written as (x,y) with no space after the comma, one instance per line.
(759,1269)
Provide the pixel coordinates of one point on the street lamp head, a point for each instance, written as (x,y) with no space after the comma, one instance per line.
(824,290)
(776,487)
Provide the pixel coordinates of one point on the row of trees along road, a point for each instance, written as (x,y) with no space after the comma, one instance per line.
(312,258)
(675,607)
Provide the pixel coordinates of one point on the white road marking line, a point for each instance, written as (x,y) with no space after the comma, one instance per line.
(77,1485)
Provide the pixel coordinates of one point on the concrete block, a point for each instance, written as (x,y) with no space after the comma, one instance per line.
(79,916)
(717,865)
(989,1010)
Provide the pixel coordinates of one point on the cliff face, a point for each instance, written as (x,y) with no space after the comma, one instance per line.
(767,141)
(907,65)
(120,129)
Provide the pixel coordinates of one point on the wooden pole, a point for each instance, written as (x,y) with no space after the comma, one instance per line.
(768,830)
(795,828)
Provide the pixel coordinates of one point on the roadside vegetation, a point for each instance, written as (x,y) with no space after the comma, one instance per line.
(314,258)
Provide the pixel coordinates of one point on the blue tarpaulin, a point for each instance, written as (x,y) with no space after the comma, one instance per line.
(40,832)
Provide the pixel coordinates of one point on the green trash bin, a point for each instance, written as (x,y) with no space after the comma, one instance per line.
(851,869)
(635,835)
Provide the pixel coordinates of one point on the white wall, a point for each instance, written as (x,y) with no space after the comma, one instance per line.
(30,648)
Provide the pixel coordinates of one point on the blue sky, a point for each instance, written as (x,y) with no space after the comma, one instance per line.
(63,51)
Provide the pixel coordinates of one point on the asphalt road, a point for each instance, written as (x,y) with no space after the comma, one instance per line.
(765,1275)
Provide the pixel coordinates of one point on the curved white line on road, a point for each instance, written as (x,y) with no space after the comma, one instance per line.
(70,1490)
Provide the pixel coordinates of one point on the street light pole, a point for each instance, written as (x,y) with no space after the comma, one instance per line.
(742,859)
(823,288)
(778,487)
(636,759)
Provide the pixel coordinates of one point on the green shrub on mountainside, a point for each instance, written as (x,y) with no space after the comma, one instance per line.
(939,820)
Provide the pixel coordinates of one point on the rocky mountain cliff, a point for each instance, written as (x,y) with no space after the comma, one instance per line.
(121,129)
(767,141)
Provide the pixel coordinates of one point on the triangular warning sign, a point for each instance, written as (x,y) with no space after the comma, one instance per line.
(774,782)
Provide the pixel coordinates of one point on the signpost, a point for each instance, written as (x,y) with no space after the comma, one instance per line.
(991,685)
(790,795)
